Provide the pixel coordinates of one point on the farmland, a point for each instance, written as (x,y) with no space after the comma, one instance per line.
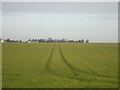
(0,66)
(60,65)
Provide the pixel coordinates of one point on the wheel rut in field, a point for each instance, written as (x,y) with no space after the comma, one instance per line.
(45,70)
(87,67)
(66,62)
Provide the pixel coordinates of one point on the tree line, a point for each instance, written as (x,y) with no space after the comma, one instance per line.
(48,40)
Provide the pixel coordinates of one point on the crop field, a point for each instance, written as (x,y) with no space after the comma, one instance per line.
(0,66)
(60,65)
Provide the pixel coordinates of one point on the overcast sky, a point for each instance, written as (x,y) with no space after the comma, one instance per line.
(0,20)
(96,21)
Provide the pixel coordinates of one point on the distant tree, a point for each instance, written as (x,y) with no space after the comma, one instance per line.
(63,40)
(87,41)
(50,39)
(36,40)
(29,39)
(8,40)
(33,39)
(82,40)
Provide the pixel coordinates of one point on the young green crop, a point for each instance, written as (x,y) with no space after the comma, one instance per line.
(60,65)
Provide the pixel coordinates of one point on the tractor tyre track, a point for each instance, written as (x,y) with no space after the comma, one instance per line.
(46,68)
(92,72)
(66,62)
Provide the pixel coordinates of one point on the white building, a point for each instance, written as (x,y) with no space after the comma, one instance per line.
(32,41)
(1,40)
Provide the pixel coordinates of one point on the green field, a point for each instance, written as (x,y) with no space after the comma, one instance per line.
(60,65)
(0,65)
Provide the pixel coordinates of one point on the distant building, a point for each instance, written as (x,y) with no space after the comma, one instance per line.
(41,40)
(32,41)
(70,40)
(1,40)
(50,40)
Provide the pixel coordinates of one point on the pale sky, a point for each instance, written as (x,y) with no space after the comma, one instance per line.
(95,21)
(0,20)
